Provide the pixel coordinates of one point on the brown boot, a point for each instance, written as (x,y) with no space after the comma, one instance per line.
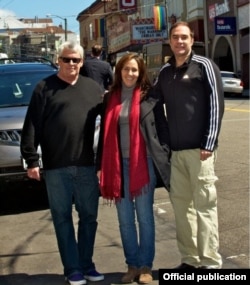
(131,275)
(145,275)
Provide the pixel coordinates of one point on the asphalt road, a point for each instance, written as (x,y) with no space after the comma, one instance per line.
(28,249)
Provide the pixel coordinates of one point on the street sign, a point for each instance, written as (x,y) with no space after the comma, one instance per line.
(225,25)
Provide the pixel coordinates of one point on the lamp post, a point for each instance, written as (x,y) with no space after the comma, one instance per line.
(65,25)
(105,27)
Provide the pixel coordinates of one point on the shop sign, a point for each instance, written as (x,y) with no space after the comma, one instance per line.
(128,6)
(225,25)
(147,32)
(216,9)
(119,42)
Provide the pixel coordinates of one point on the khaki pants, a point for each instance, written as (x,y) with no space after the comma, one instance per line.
(194,199)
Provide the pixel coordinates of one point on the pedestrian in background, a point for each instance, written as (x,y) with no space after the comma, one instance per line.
(191,88)
(61,118)
(98,69)
(133,149)
(102,73)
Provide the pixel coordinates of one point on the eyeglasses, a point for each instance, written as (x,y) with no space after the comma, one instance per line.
(68,59)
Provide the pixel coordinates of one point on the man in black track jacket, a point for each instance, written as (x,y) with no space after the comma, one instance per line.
(191,88)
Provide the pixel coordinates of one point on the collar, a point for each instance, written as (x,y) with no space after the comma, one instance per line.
(172,60)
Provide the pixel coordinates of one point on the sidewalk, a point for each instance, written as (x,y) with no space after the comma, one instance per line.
(29,254)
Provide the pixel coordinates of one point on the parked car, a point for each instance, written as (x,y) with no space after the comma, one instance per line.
(17,80)
(232,84)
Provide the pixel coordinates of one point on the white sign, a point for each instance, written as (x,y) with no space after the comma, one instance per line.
(119,42)
(128,4)
(215,10)
(145,32)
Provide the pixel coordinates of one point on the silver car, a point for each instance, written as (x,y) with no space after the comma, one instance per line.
(232,84)
(17,81)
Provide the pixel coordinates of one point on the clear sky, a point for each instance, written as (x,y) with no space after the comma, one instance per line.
(41,8)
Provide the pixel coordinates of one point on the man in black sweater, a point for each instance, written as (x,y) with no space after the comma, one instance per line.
(61,119)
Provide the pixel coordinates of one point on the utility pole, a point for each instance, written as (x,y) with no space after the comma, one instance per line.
(65,29)
(65,25)
(105,27)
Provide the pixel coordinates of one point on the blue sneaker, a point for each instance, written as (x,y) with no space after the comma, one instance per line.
(93,275)
(76,279)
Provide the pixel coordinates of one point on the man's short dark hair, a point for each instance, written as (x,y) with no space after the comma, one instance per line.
(96,50)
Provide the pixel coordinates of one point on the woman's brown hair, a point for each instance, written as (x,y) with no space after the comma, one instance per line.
(143,81)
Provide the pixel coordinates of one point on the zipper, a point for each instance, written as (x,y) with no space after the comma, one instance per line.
(175,72)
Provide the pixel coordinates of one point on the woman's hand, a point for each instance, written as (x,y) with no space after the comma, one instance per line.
(98,175)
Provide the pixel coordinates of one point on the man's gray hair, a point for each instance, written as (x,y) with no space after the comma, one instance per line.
(71,45)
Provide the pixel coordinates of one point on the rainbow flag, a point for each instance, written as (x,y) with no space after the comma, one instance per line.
(159,17)
(99,27)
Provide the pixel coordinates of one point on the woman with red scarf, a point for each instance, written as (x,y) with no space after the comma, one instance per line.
(132,153)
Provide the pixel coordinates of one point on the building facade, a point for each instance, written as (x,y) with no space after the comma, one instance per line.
(243,7)
(32,37)
(222,25)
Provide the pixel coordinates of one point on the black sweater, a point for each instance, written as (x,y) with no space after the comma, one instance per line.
(61,118)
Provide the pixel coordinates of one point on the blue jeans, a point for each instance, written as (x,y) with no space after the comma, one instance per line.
(138,244)
(78,184)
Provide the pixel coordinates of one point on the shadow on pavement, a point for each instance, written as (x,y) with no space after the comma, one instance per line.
(39,279)
(22,197)
(55,279)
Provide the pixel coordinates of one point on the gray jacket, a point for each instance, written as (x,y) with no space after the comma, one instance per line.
(155,132)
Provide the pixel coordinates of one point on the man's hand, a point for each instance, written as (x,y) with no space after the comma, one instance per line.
(204,154)
(34,173)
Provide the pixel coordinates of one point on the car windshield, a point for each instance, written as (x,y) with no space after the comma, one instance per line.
(16,89)
(230,75)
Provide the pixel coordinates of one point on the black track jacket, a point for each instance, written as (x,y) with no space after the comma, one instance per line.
(194,100)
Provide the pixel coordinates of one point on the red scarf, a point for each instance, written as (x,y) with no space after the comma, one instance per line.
(111,174)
